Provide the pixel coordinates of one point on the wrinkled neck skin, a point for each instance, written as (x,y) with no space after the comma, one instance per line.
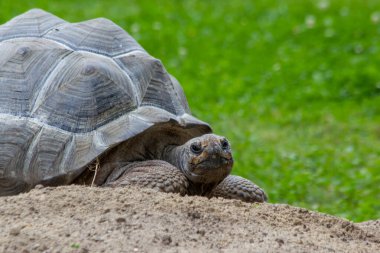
(175,155)
(179,157)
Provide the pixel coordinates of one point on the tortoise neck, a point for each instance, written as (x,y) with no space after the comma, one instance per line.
(174,155)
(201,189)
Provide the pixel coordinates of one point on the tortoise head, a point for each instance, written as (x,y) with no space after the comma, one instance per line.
(206,159)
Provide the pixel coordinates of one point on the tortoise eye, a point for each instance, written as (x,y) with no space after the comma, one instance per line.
(224,143)
(196,148)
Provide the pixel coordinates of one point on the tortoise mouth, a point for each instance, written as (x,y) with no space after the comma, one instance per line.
(212,164)
(210,170)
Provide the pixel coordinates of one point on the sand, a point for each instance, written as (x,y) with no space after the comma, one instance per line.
(84,219)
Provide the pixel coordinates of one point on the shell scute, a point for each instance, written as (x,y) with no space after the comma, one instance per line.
(99,36)
(33,23)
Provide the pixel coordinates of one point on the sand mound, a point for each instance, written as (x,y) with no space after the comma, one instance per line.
(84,219)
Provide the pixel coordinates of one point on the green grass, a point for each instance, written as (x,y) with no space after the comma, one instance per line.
(294,85)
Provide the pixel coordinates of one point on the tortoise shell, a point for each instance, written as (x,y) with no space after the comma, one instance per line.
(72,91)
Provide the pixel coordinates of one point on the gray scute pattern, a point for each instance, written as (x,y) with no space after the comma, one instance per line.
(72,91)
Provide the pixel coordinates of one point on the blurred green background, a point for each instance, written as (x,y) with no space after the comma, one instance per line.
(293,84)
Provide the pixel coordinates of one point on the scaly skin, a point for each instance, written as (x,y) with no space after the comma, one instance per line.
(235,187)
(199,167)
(155,174)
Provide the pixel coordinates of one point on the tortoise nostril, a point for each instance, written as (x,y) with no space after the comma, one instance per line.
(225,145)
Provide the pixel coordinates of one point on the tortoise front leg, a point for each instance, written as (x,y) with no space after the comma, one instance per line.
(154,174)
(235,187)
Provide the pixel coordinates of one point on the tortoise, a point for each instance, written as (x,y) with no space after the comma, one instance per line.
(75,95)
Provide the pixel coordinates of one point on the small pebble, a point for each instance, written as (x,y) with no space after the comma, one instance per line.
(121,219)
(201,232)
(15,231)
(166,240)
